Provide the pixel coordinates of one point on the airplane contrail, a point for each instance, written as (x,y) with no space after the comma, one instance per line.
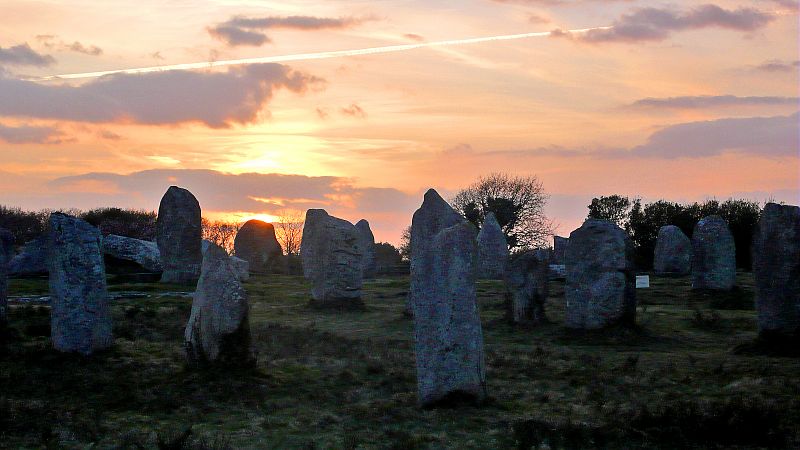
(311,56)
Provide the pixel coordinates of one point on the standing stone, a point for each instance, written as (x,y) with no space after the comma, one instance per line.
(368,262)
(332,260)
(143,253)
(776,266)
(6,250)
(256,243)
(600,286)
(673,253)
(179,235)
(713,255)
(218,330)
(526,286)
(32,258)
(241,267)
(80,315)
(559,249)
(447,329)
(432,217)
(492,249)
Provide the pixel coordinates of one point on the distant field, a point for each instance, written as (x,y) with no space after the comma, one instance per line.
(345,380)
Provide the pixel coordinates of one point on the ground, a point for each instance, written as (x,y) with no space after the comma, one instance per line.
(688,376)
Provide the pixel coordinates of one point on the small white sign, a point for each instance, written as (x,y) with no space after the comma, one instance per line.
(642,281)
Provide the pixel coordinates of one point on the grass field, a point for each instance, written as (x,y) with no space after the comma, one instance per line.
(327,379)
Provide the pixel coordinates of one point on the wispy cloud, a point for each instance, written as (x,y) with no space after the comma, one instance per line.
(353,110)
(777,65)
(240,30)
(710,101)
(28,134)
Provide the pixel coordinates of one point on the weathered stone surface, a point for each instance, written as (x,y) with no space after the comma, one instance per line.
(368,262)
(776,267)
(713,255)
(559,249)
(526,286)
(205,245)
(6,250)
(600,286)
(492,249)
(448,337)
(431,218)
(143,253)
(332,259)
(673,253)
(218,330)
(80,317)
(31,259)
(256,243)
(241,267)
(179,236)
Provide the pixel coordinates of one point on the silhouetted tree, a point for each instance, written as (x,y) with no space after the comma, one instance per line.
(220,232)
(289,231)
(614,208)
(139,224)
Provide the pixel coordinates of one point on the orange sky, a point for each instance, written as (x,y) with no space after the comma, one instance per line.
(680,100)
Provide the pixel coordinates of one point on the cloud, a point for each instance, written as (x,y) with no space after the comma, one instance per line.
(766,136)
(557,2)
(776,65)
(24,55)
(91,50)
(239,30)
(354,111)
(27,134)
(657,24)
(216,99)
(710,101)
(414,37)
(49,41)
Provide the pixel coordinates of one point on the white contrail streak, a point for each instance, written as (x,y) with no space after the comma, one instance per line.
(310,56)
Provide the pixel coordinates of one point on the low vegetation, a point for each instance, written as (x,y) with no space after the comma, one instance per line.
(346,380)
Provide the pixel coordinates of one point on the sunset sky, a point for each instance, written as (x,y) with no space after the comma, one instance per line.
(682,100)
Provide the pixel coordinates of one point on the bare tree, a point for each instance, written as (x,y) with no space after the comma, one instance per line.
(518,204)
(289,230)
(221,233)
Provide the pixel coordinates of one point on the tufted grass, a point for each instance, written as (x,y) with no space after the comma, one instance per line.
(345,379)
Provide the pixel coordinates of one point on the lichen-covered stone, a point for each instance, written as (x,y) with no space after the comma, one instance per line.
(600,286)
(256,243)
(673,253)
(492,249)
(431,218)
(448,338)
(713,255)
(6,250)
(31,259)
(526,287)
(80,316)
(332,260)
(776,267)
(559,249)
(241,267)
(218,330)
(143,253)
(368,262)
(179,235)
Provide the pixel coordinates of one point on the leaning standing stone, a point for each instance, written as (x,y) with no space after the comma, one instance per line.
(447,329)
(600,286)
(673,253)
(526,286)
(776,266)
(218,330)
(143,253)
(6,250)
(713,255)
(492,249)
(368,262)
(80,315)
(256,243)
(179,235)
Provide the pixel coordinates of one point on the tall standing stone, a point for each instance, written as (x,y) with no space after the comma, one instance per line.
(431,218)
(776,266)
(559,249)
(80,317)
(332,260)
(218,330)
(673,253)
(256,243)
(526,286)
(447,329)
(6,251)
(600,286)
(713,255)
(492,249)
(368,262)
(179,235)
